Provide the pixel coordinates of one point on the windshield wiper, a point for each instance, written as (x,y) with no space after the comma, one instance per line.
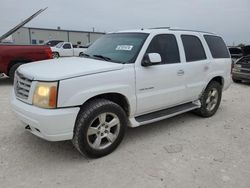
(107,59)
(103,57)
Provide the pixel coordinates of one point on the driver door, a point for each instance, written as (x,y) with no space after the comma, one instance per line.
(161,85)
(67,49)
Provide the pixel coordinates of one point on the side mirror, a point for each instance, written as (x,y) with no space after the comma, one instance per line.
(151,59)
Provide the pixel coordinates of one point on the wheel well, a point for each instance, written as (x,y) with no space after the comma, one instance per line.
(117,98)
(218,79)
(17,61)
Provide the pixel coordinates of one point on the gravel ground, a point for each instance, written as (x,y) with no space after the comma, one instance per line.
(184,151)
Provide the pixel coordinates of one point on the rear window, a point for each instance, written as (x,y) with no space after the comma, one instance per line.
(194,50)
(217,46)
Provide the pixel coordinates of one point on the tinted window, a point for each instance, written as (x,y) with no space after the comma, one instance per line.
(194,50)
(235,51)
(246,50)
(67,46)
(217,46)
(166,46)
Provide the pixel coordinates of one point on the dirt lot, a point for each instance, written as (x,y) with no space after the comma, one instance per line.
(184,151)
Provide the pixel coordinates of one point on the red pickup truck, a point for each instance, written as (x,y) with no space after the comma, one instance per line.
(12,56)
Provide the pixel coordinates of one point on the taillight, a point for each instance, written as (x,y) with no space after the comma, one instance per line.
(48,53)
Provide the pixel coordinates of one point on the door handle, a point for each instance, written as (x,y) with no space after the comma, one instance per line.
(180,72)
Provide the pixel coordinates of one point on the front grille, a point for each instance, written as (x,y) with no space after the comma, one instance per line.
(22,86)
(245,71)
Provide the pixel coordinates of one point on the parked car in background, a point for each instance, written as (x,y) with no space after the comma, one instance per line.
(66,49)
(246,50)
(235,52)
(12,56)
(52,43)
(241,69)
(128,78)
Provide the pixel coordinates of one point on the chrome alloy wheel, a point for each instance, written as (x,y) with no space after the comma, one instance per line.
(103,131)
(212,99)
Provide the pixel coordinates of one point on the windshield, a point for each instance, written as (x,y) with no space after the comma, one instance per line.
(59,45)
(117,47)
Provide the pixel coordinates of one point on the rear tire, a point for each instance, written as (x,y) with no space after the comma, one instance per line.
(13,70)
(210,100)
(100,128)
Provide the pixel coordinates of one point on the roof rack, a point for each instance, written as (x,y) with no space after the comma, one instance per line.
(178,29)
(160,28)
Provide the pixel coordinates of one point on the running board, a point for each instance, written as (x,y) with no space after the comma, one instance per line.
(166,113)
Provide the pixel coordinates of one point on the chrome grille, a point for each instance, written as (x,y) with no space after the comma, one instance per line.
(22,86)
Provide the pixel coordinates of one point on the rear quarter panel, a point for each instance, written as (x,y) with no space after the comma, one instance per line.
(221,67)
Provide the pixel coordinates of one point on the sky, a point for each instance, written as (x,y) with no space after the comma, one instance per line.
(228,18)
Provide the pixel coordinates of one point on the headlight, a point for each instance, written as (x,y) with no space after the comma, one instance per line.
(237,66)
(45,95)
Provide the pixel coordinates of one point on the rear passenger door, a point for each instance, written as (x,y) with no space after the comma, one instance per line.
(196,65)
(161,85)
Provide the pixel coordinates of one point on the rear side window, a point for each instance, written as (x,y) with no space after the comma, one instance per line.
(217,46)
(194,50)
(166,46)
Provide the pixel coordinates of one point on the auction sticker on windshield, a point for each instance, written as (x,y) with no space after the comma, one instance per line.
(124,47)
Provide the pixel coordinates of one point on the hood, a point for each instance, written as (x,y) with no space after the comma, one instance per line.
(64,68)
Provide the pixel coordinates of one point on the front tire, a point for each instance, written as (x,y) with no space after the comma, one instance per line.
(100,128)
(210,100)
(236,81)
(55,55)
(13,70)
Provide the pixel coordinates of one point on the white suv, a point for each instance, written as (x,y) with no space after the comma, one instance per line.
(127,78)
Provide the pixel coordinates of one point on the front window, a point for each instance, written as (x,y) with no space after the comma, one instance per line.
(117,47)
(165,45)
(66,46)
(59,45)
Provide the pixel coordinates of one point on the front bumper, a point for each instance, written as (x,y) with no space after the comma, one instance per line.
(241,76)
(49,124)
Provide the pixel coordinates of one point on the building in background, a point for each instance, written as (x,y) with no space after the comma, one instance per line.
(30,35)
